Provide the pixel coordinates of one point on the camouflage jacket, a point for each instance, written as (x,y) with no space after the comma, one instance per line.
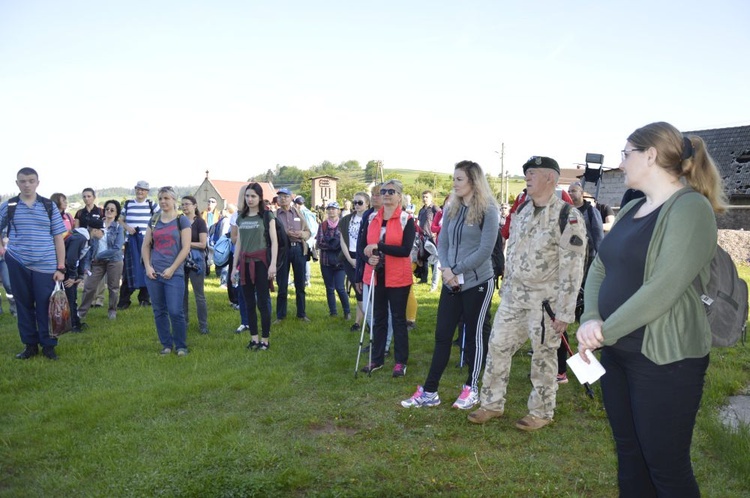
(541,262)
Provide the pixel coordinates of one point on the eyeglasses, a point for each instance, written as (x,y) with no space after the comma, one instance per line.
(626,152)
(389,191)
(358,203)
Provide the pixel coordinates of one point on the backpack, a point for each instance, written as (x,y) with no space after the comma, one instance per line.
(497,256)
(214,232)
(725,300)
(222,250)
(724,297)
(13,202)
(281,237)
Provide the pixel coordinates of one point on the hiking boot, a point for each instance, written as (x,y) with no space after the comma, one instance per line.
(165,351)
(531,423)
(467,399)
(483,415)
(123,306)
(562,378)
(371,368)
(28,352)
(421,398)
(112,315)
(241,329)
(399,370)
(182,352)
(49,352)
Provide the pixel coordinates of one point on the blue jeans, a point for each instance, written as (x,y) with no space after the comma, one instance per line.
(32,290)
(652,409)
(295,260)
(334,280)
(166,301)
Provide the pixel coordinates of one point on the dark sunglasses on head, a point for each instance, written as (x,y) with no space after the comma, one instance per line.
(389,191)
(359,203)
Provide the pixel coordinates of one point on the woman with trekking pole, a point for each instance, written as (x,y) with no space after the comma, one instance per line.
(642,310)
(469,231)
(390,237)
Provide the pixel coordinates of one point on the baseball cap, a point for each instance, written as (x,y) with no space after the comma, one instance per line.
(299,200)
(284,191)
(333,204)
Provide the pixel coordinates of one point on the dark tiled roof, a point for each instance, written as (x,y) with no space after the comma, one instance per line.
(730,148)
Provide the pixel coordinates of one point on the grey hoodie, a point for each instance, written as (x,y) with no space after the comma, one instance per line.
(466,249)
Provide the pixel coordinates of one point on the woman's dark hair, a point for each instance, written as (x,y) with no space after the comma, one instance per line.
(117,206)
(258,190)
(57,197)
(89,189)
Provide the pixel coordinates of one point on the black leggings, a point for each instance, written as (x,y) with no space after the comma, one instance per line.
(263,299)
(473,305)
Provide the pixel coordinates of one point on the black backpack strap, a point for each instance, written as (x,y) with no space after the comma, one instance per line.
(564,213)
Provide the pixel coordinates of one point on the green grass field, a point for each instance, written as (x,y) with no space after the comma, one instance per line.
(113,418)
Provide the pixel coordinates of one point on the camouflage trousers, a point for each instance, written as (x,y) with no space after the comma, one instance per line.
(510,330)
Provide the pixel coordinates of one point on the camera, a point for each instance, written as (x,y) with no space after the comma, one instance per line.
(191,265)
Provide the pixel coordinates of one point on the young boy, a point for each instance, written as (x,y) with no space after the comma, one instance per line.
(78,258)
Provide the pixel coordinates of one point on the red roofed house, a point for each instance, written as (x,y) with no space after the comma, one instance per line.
(227,192)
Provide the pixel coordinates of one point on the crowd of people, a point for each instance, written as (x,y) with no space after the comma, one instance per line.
(639,308)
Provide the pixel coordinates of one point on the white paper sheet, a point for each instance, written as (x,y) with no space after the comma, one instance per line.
(586,372)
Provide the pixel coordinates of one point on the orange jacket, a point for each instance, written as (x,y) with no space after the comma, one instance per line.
(399,239)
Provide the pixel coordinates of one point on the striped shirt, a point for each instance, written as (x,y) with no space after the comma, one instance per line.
(31,235)
(138,214)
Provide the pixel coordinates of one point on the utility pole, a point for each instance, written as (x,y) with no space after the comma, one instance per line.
(503,189)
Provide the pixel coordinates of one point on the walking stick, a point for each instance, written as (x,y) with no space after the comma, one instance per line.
(548,309)
(370,298)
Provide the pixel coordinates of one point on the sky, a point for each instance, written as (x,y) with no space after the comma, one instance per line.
(103,94)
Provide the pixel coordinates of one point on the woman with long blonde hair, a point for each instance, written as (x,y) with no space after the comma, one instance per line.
(470,229)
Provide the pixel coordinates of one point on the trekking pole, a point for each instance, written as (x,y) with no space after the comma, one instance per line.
(362,334)
(364,324)
(463,347)
(548,309)
(372,317)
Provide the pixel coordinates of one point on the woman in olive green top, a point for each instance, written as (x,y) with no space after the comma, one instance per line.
(640,306)
(254,266)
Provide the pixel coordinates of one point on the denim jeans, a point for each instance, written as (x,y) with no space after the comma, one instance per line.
(652,409)
(31,290)
(295,261)
(334,281)
(166,301)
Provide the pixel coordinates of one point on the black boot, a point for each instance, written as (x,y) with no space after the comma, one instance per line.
(27,353)
(49,352)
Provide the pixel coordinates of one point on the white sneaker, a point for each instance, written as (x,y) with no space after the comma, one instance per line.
(421,398)
(241,329)
(467,399)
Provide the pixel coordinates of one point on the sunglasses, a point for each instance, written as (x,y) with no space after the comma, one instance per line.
(359,203)
(389,191)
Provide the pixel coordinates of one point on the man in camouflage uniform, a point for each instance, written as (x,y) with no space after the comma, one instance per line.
(542,264)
